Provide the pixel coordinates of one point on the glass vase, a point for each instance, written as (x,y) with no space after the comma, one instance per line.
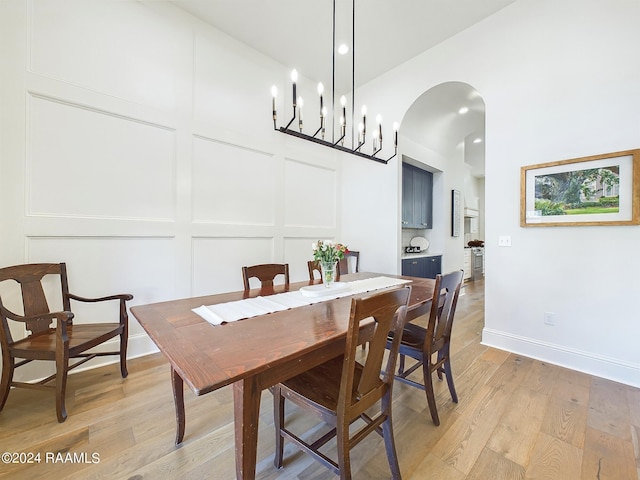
(329,270)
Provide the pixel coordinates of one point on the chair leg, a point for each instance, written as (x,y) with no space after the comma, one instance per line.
(62,366)
(390,447)
(278,423)
(428,388)
(123,353)
(344,459)
(7,377)
(449,375)
(400,364)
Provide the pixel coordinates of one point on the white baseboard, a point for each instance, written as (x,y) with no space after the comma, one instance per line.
(586,362)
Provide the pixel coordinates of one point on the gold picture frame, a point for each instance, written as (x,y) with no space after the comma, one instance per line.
(597,190)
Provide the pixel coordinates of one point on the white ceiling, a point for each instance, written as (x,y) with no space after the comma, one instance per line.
(298,34)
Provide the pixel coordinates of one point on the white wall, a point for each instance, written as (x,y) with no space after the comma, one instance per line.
(136,144)
(559,80)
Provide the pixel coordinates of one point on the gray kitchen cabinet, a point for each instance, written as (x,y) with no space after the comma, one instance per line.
(424,267)
(417,197)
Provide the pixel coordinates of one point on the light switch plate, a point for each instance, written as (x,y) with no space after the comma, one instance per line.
(504,241)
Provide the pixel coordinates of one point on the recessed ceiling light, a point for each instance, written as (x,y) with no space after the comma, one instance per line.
(343,49)
(463,110)
(477,140)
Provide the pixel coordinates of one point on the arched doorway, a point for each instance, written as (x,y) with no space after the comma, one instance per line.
(443,132)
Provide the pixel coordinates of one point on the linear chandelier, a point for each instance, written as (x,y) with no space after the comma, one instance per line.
(359,146)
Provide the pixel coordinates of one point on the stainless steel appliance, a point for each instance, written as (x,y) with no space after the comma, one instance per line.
(477,263)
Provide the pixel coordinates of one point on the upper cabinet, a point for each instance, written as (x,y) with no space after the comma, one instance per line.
(417,197)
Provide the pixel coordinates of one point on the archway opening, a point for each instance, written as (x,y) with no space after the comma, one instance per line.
(443,132)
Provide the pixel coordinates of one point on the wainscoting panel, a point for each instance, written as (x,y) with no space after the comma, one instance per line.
(218,262)
(232,184)
(95,267)
(84,162)
(310,195)
(297,252)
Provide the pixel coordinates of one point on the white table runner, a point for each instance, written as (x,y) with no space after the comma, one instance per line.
(252,307)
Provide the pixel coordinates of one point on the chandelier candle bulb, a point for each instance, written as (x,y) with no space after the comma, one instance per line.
(364,122)
(300,105)
(294,79)
(396,126)
(320,92)
(324,114)
(379,120)
(274,94)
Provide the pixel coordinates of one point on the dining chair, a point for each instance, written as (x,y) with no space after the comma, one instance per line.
(266,273)
(349,263)
(343,390)
(59,343)
(314,266)
(421,344)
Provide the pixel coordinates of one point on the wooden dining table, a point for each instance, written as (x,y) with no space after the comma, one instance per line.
(255,353)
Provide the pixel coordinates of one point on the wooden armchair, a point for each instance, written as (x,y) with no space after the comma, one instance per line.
(343,390)
(57,343)
(422,344)
(266,273)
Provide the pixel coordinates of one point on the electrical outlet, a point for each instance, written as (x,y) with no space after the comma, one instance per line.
(549,318)
(504,241)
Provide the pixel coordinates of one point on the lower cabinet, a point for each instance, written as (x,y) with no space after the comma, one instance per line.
(467,264)
(425,267)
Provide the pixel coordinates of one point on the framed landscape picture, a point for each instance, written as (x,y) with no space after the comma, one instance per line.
(598,190)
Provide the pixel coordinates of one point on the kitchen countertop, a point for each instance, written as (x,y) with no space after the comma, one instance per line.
(417,255)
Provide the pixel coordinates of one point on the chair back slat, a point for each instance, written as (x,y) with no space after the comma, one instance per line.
(351,259)
(266,273)
(34,300)
(443,307)
(387,310)
(451,283)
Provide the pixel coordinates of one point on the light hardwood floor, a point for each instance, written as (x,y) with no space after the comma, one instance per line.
(517,418)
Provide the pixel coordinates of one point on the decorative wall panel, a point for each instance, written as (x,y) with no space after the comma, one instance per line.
(86,162)
(218,262)
(232,184)
(298,252)
(310,195)
(99,266)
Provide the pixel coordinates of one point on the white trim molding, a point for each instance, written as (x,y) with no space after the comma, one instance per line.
(593,364)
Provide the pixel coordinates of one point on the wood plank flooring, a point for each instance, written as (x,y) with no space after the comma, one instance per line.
(517,418)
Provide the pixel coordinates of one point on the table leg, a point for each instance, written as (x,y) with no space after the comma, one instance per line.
(178,399)
(246,410)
